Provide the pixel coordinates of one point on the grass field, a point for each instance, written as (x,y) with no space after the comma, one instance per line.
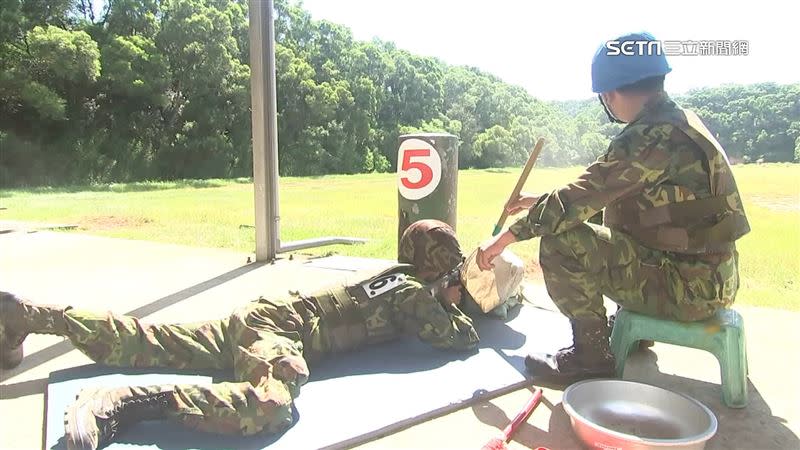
(209,213)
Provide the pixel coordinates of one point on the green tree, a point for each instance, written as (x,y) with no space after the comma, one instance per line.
(494,147)
(133,89)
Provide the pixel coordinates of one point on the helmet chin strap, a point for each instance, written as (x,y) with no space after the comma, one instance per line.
(611,117)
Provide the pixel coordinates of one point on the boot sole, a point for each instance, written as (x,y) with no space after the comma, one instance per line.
(77,435)
(11,358)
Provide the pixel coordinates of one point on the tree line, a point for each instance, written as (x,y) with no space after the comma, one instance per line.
(159,89)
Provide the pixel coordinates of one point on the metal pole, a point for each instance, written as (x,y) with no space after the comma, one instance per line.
(265,128)
(265,139)
(319,242)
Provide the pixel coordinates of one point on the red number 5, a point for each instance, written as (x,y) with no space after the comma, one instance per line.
(425,171)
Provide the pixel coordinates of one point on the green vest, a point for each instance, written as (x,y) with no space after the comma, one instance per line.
(697,226)
(345,311)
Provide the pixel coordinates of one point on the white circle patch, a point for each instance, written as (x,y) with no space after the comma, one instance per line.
(419,169)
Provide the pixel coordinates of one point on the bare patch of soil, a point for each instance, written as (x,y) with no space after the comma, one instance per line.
(111,222)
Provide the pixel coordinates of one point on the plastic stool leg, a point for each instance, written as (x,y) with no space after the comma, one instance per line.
(733,368)
(622,343)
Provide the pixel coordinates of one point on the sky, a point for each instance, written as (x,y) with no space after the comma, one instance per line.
(547,47)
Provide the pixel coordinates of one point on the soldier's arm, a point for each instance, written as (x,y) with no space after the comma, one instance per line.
(441,326)
(636,159)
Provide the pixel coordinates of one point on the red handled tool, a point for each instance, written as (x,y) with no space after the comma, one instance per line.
(522,416)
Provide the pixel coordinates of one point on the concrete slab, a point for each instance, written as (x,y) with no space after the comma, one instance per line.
(11,226)
(174,283)
(348,263)
(770,421)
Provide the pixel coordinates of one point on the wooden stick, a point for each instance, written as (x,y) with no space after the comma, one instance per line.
(520,183)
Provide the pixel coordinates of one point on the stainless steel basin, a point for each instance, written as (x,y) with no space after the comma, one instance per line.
(626,415)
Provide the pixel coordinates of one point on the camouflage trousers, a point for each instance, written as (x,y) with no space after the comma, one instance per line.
(590,261)
(262,343)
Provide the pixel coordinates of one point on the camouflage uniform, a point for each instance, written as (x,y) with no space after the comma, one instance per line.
(672,214)
(264,343)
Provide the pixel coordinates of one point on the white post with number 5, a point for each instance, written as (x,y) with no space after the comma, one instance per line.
(419,169)
(427,174)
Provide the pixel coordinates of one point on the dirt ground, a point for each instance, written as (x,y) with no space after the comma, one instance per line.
(111,222)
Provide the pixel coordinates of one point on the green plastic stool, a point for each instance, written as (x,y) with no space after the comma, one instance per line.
(721,334)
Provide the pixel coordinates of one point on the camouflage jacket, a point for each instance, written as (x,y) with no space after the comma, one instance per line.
(662,158)
(382,308)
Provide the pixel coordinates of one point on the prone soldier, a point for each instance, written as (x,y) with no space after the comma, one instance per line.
(267,344)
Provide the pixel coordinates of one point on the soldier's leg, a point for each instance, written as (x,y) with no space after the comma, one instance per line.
(577,266)
(583,264)
(589,261)
(619,273)
(18,318)
(678,287)
(99,415)
(266,342)
(269,366)
(126,341)
(580,265)
(113,339)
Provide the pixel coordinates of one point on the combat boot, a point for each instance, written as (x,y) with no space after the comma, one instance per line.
(588,357)
(99,415)
(18,318)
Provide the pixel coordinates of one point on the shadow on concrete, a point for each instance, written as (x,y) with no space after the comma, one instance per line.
(23,388)
(558,437)
(46,354)
(169,436)
(98,370)
(408,354)
(748,428)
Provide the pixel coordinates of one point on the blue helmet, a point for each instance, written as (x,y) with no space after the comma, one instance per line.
(626,60)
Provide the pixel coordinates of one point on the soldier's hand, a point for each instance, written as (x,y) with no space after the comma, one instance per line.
(489,250)
(486,253)
(523,202)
